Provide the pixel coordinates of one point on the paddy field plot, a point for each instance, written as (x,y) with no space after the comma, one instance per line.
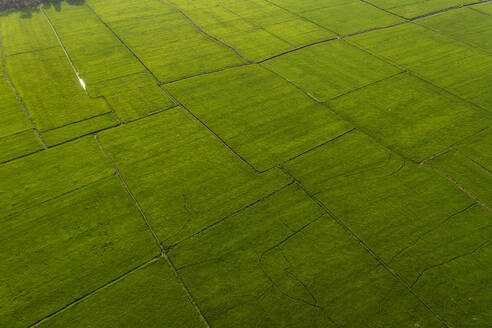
(17,136)
(246,163)
(485,8)
(466,25)
(163,38)
(417,8)
(454,66)
(260,115)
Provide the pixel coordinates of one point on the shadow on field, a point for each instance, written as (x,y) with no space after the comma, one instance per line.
(28,7)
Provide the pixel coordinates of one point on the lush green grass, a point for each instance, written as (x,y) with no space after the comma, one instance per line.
(465,24)
(415,8)
(50,89)
(132,96)
(261,116)
(87,232)
(257,44)
(183,177)
(163,33)
(479,148)
(108,68)
(13,117)
(81,128)
(257,29)
(149,297)
(392,215)
(410,116)
(19,144)
(485,8)
(330,69)
(22,33)
(458,68)
(273,259)
(345,181)
(468,174)
(64,169)
(96,53)
(114,10)
(351,17)
(82,240)
(415,220)
(306,5)
(46,81)
(42,74)
(275,29)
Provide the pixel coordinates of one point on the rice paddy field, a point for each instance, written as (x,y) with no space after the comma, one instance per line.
(246,163)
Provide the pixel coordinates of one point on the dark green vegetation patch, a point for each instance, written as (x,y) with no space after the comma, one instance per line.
(246,163)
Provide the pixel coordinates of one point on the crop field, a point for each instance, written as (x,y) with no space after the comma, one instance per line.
(246,163)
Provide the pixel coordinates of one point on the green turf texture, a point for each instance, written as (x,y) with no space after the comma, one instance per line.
(468,173)
(31,186)
(13,117)
(259,265)
(24,33)
(19,144)
(84,237)
(234,104)
(148,297)
(478,148)
(162,32)
(411,117)
(340,177)
(307,5)
(108,68)
(451,65)
(275,29)
(373,192)
(466,25)
(351,17)
(154,159)
(132,96)
(75,130)
(50,89)
(96,53)
(257,29)
(485,8)
(330,69)
(416,8)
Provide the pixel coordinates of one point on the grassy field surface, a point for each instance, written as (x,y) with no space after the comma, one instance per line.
(456,67)
(246,163)
(485,8)
(154,30)
(416,8)
(468,173)
(266,270)
(132,96)
(19,144)
(466,25)
(140,302)
(157,153)
(50,89)
(350,18)
(331,69)
(94,50)
(417,222)
(25,33)
(478,147)
(14,119)
(260,115)
(412,117)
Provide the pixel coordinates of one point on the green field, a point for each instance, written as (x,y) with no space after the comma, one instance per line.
(246,164)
